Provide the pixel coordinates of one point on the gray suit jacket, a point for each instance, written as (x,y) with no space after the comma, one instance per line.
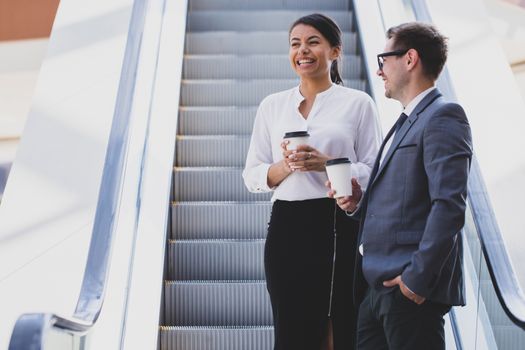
(414,207)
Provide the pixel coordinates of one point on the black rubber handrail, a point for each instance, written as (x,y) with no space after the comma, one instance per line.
(501,270)
(30,329)
(499,266)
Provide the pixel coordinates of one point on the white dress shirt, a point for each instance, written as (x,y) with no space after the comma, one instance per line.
(343,122)
(407,110)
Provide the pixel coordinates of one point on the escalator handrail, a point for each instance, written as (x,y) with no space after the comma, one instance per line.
(499,265)
(30,329)
(501,270)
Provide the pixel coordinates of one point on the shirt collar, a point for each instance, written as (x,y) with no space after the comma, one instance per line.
(298,98)
(415,101)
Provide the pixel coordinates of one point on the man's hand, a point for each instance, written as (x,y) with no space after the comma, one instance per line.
(404,289)
(347,203)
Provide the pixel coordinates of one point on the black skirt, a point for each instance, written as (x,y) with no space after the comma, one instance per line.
(298,262)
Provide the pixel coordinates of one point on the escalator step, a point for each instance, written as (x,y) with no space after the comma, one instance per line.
(216,338)
(216,260)
(238,93)
(316,5)
(217,303)
(212,151)
(255,67)
(509,337)
(267,20)
(265,43)
(215,220)
(216,120)
(212,184)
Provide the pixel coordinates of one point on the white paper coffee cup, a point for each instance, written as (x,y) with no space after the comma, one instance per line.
(339,173)
(296,138)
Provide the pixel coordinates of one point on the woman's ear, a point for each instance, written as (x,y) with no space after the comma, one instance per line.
(336,53)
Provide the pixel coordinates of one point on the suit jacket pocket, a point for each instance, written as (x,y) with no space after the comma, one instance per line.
(408,237)
(407,145)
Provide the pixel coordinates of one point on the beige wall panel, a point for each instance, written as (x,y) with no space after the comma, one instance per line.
(24,19)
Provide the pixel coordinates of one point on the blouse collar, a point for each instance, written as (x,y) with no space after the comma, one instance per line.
(298,98)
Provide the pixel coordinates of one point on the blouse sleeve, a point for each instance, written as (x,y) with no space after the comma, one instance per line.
(259,158)
(367,143)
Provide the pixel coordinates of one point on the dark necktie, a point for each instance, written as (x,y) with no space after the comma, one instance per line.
(400,121)
(393,130)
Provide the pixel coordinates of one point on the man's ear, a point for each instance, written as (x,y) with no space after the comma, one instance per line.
(412,58)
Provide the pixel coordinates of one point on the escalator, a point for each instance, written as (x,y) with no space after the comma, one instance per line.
(236,54)
(214,294)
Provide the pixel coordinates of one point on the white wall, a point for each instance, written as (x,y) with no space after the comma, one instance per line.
(48,207)
(20,63)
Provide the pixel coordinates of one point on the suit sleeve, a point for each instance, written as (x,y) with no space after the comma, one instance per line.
(447,153)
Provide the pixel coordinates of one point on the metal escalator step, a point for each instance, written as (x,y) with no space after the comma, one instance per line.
(509,337)
(247,43)
(492,305)
(269,4)
(215,151)
(216,120)
(249,20)
(255,67)
(240,93)
(216,338)
(230,92)
(212,184)
(217,303)
(216,260)
(215,220)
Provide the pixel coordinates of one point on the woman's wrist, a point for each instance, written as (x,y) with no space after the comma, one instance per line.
(278,172)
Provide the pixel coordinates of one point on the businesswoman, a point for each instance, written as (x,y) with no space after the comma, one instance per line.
(311,296)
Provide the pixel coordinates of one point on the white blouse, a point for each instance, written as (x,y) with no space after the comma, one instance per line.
(343,122)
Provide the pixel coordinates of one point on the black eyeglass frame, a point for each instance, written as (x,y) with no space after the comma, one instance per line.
(390,53)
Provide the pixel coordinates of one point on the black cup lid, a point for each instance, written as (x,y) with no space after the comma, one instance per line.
(296,134)
(338,161)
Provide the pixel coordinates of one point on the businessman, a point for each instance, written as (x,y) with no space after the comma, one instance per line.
(413,210)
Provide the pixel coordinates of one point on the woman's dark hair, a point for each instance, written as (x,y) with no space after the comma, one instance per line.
(330,30)
(429,43)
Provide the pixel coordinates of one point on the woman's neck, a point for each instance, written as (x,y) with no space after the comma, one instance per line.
(310,88)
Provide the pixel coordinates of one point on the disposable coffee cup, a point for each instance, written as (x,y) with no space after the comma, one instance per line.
(339,173)
(296,138)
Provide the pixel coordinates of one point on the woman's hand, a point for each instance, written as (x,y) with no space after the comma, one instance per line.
(287,160)
(306,158)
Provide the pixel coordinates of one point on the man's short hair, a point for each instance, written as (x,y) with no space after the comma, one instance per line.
(429,43)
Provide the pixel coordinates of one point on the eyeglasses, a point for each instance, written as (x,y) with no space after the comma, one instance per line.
(381,56)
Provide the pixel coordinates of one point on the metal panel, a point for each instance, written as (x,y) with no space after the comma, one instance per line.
(216,260)
(226,303)
(212,184)
(249,43)
(214,220)
(316,5)
(215,151)
(238,92)
(216,120)
(255,67)
(216,338)
(268,20)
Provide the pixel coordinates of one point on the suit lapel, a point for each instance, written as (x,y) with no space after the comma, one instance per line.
(398,137)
